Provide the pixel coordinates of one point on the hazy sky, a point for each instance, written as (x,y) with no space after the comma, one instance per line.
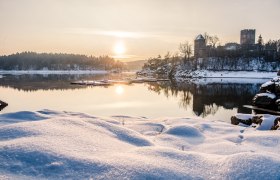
(128,29)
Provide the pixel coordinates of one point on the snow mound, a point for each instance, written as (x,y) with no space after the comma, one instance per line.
(21,117)
(247,166)
(65,145)
(186,131)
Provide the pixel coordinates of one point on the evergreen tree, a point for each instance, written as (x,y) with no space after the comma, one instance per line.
(260,45)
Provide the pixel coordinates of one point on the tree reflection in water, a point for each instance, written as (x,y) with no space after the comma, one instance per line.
(202,98)
(207,98)
(185,99)
(34,82)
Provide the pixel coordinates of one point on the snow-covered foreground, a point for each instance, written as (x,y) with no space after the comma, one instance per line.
(14,72)
(59,145)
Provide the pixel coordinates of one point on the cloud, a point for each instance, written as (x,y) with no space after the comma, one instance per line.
(164,36)
(117,34)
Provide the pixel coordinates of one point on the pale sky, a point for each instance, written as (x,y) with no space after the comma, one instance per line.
(128,29)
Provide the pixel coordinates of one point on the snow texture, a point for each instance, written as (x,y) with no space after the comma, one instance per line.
(269,95)
(226,74)
(268,83)
(65,145)
(205,81)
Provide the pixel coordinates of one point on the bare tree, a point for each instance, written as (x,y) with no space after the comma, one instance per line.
(207,38)
(186,50)
(175,58)
(213,40)
(167,57)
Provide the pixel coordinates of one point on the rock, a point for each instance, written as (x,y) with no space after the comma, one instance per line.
(3,105)
(248,121)
(265,100)
(234,120)
(276,124)
(257,119)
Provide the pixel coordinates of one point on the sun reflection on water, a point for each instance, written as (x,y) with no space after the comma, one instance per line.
(119,90)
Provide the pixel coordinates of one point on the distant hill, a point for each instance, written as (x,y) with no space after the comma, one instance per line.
(135,65)
(57,61)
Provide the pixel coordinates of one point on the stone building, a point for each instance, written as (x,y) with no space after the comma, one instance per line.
(247,37)
(199,46)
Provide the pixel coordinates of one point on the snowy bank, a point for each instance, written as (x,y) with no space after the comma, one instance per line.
(14,72)
(226,74)
(52,145)
(215,80)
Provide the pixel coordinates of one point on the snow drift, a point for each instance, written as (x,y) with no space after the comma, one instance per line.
(59,145)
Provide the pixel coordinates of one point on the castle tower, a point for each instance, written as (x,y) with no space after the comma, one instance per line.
(199,46)
(247,36)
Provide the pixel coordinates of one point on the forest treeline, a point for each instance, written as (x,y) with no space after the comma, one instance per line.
(57,61)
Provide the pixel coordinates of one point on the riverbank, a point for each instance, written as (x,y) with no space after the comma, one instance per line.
(225,74)
(53,145)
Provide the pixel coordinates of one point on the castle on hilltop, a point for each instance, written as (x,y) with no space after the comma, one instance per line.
(202,48)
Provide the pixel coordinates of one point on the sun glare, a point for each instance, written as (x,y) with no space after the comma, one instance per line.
(119,90)
(119,48)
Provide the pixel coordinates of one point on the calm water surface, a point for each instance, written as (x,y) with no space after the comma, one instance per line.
(211,100)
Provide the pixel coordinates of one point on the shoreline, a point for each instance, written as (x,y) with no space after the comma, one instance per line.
(226,74)
(193,74)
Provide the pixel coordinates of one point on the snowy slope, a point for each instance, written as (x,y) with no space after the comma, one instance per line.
(59,145)
(226,74)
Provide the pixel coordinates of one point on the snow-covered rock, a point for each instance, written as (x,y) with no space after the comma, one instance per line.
(266,84)
(260,122)
(65,145)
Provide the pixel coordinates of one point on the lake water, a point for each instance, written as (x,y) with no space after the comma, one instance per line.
(213,100)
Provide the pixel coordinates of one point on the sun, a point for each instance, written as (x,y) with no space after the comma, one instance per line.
(119,48)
